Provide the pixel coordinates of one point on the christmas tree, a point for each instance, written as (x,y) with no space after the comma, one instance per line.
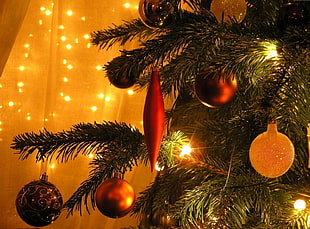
(241,94)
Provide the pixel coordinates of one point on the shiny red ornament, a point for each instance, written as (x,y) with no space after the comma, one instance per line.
(39,203)
(122,81)
(154,118)
(215,92)
(115,198)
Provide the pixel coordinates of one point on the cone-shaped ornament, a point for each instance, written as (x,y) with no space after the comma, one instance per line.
(154,118)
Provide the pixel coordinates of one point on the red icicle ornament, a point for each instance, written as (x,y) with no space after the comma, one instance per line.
(154,118)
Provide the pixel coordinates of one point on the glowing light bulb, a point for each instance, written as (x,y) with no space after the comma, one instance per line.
(21,68)
(63,38)
(42,8)
(69,13)
(67,98)
(157,168)
(48,12)
(68,46)
(40,22)
(26,55)
(66,79)
(93,108)
(27,45)
(86,36)
(61,27)
(76,40)
(20,84)
(52,166)
(101,96)
(64,61)
(98,67)
(108,99)
(83,18)
(11,103)
(69,66)
(90,155)
(130,92)
(300,205)
(127,5)
(270,50)
(186,151)
(28,118)
(88,45)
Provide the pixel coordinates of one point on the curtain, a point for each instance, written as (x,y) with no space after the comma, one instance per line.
(53,79)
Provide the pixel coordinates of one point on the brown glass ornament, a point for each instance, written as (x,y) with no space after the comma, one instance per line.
(122,81)
(156,13)
(39,203)
(213,91)
(293,14)
(115,198)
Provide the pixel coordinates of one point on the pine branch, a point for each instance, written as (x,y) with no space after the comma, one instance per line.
(81,138)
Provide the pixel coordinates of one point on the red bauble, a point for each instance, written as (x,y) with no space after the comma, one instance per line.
(215,92)
(115,198)
(39,203)
(154,118)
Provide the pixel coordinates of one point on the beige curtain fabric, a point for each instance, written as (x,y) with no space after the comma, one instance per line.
(12,13)
(53,79)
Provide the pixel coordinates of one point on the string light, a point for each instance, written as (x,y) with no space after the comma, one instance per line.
(186,151)
(300,205)
(69,13)
(127,5)
(98,67)
(68,46)
(157,168)
(93,108)
(21,68)
(101,96)
(130,92)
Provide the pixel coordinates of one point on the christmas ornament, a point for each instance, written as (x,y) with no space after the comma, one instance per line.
(153,118)
(272,153)
(156,13)
(213,91)
(293,14)
(122,80)
(228,9)
(39,203)
(115,198)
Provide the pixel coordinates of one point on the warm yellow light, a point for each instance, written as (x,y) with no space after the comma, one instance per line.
(137,7)
(157,168)
(90,155)
(76,40)
(11,103)
(40,22)
(64,61)
(83,18)
(69,66)
(30,35)
(67,98)
(68,46)
(88,45)
(93,108)
(107,99)
(61,94)
(69,13)
(63,38)
(300,205)
(20,84)
(42,8)
(26,55)
(52,166)
(66,79)
(27,45)
(127,5)
(28,118)
(48,12)
(186,151)
(270,50)
(98,67)
(1,122)
(86,36)
(101,96)
(130,92)
(61,27)
(22,68)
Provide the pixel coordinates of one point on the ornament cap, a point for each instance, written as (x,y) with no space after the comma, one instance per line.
(272,127)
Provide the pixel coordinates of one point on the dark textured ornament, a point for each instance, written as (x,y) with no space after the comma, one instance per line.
(156,13)
(293,14)
(115,198)
(39,203)
(122,81)
(213,91)
(153,118)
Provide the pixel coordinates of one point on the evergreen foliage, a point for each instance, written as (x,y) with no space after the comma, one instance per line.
(217,187)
